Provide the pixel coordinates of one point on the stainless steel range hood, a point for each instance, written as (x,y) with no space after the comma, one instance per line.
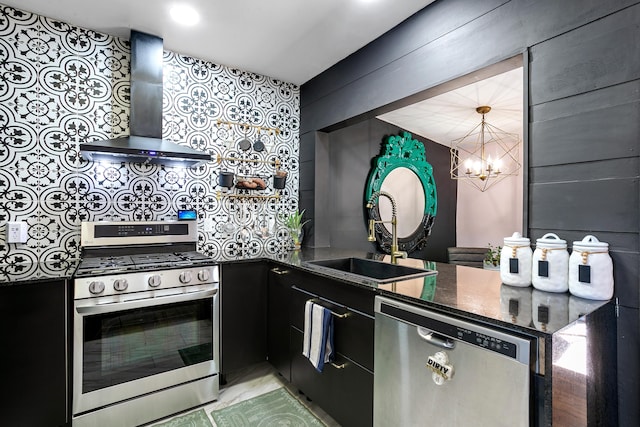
(145,144)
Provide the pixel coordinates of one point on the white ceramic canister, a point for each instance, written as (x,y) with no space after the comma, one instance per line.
(515,261)
(591,269)
(550,264)
(550,310)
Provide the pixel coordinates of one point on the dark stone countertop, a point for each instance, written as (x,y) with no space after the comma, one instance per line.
(31,273)
(466,291)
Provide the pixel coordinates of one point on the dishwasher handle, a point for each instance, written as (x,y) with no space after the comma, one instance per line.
(435,339)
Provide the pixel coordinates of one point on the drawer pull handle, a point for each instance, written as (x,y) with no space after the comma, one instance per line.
(340,366)
(280,272)
(333,313)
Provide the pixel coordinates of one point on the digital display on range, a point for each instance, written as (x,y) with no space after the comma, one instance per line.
(136,230)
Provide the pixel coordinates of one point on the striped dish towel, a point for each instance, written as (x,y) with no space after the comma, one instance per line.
(318,335)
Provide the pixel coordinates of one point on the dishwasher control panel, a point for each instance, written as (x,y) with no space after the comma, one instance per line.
(487,341)
(490,339)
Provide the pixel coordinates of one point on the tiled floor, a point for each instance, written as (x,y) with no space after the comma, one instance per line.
(252,382)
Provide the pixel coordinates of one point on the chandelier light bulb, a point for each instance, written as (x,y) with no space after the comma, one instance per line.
(497,165)
(468,164)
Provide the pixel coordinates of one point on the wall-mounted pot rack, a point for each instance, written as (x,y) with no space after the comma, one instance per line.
(275,162)
(248,196)
(249,125)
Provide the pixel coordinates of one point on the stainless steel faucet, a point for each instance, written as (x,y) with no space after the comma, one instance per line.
(395,252)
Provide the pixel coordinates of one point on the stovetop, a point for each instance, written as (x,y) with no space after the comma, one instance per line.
(111,264)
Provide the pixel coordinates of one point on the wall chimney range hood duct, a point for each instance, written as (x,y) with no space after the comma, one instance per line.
(145,144)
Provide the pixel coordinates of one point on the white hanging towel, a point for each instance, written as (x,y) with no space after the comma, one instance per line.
(318,335)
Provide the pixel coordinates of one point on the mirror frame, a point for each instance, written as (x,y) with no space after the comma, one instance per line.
(403,151)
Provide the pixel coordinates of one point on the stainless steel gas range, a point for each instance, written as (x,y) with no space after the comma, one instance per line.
(146,335)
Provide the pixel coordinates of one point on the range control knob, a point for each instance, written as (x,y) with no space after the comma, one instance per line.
(185,277)
(96,287)
(120,284)
(204,275)
(154,281)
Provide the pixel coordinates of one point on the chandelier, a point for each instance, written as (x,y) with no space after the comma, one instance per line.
(486,155)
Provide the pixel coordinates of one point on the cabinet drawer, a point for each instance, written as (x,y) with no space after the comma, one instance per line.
(345,393)
(358,298)
(352,335)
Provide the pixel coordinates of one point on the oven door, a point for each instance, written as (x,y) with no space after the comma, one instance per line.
(126,347)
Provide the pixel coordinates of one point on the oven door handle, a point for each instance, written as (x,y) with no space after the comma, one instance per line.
(147,302)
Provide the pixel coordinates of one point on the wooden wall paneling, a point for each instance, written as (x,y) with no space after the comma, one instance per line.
(607,133)
(618,94)
(628,167)
(586,205)
(622,242)
(446,58)
(588,58)
(626,270)
(526,138)
(502,32)
(422,28)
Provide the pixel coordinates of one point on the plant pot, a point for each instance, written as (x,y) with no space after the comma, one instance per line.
(489,266)
(279,181)
(296,238)
(225,179)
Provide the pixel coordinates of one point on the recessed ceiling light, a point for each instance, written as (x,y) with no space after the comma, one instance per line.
(184,14)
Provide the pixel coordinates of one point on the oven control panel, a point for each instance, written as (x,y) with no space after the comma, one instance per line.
(115,284)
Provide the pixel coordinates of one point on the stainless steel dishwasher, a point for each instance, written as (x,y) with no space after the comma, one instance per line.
(435,370)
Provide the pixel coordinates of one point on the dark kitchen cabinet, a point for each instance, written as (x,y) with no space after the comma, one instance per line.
(243,306)
(278,345)
(345,387)
(34,357)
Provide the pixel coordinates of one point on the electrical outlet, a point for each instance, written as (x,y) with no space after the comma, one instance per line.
(208,225)
(16,232)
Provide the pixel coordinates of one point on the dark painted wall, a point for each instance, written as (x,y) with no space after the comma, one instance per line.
(583,120)
(351,154)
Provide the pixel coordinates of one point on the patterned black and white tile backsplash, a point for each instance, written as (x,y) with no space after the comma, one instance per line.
(61,85)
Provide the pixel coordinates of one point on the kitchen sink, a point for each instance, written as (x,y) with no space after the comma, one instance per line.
(369,270)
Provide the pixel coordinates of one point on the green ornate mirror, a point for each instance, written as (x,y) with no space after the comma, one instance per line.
(402,171)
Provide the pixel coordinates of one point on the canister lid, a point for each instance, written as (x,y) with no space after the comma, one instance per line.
(551,240)
(589,243)
(516,239)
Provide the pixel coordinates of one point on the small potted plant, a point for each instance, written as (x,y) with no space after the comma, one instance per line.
(279,179)
(492,258)
(294,224)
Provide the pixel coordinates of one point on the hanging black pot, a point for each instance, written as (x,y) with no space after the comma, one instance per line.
(244,144)
(258,145)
